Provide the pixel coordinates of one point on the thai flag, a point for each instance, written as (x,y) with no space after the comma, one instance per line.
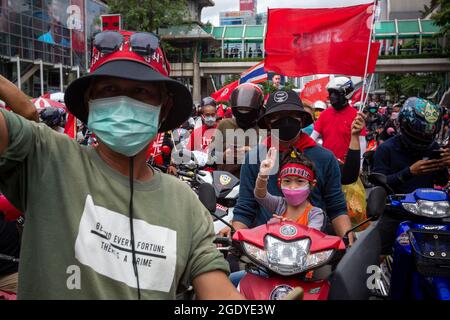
(255,74)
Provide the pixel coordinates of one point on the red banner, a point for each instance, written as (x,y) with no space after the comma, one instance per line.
(225,93)
(75,23)
(315,90)
(302,42)
(71,126)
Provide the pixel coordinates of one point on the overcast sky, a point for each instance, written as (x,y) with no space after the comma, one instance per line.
(212,13)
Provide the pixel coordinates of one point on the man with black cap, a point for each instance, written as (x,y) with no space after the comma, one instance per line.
(101,223)
(286,117)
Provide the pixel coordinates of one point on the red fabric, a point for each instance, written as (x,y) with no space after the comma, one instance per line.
(154,150)
(335,129)
(303,142)
(71,126)
(201,138)
(225,93)
(224,114)
(42,102)
(298,170)
(302,42)
(315,90)
(10,212)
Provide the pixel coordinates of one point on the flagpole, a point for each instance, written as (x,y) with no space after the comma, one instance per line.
(368,88)
(368,54)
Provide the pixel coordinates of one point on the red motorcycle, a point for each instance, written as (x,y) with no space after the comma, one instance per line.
(285,256)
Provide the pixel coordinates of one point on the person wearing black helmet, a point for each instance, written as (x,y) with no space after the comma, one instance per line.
(286,117)
(374,118)
(246,103)
(108,226)
(408,159)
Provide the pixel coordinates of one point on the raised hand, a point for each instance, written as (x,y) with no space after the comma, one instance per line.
(358,124)
(268,164)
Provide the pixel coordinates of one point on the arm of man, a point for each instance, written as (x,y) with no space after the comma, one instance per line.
(4,137)
(382,164)
(215,285)
(17,100)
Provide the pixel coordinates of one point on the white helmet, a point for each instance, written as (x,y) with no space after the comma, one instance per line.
(319,104)
(342,84)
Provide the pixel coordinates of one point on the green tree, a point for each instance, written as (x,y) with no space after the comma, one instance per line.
(269,88)
(230,79)
(149,15)
(442,17)
(429,9)
(412,84)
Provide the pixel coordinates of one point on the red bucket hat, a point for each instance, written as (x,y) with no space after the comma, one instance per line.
(126,64)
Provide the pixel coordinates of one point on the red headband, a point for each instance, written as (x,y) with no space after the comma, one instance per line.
(297,170)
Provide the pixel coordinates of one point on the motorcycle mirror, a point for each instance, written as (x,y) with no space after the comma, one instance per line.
(207,196)
(376,203)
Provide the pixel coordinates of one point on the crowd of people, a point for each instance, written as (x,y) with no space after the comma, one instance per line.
(107,199)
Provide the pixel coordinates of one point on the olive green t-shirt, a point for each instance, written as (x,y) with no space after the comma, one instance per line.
(76,241)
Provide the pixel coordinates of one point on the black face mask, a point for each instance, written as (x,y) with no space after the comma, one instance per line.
(338,100)
(288,128)
(245,120)
(414,147)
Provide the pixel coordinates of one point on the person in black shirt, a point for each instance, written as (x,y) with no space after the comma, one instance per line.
(406,159)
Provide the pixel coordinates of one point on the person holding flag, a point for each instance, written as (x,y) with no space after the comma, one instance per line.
(334,124)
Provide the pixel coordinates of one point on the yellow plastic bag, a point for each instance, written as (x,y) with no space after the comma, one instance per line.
(355,195)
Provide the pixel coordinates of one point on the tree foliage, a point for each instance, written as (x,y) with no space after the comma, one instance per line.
(412,84)
(442,17)
(149,15)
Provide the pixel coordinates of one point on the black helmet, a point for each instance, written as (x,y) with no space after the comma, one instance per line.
(53,117)
(420,121)
(208,101)
(247,95)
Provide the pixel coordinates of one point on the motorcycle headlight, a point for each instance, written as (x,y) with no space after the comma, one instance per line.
(256,253)
(318,258)
(287,258)
(431,209)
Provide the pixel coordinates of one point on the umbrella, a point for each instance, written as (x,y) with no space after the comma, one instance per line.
(41,103)
(57,96)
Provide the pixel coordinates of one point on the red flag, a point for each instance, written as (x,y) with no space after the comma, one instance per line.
(315,90)
(225,93)
(71,126)
(302,42)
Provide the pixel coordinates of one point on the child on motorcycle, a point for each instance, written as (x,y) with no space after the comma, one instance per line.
(296,178)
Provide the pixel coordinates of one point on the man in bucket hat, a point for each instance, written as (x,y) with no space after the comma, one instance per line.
(101,223)
(285,117)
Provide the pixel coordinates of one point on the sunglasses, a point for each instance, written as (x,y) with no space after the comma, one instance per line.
(142,43)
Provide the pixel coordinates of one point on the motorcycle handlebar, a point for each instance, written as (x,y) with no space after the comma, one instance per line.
(223,240)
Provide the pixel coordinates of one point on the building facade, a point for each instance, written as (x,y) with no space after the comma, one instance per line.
(45,43)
